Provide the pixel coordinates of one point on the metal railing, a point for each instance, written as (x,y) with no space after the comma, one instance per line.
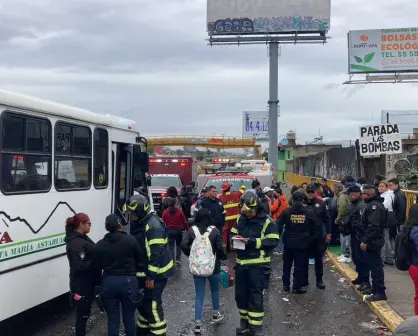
(297,179)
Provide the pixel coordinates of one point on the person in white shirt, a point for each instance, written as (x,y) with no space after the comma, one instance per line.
(388,201)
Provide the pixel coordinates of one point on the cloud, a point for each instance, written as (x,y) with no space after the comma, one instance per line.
(150,61)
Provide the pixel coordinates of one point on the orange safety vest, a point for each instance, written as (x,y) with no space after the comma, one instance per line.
(230,200)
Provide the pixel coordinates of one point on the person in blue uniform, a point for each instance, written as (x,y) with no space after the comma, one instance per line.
(301,228)
(155,266)
(252,273)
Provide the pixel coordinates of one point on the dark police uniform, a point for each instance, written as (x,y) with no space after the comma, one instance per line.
(156,264)
(84,275)
(252,272)
(301,228)
(355,211)
(318,246)
(371,232)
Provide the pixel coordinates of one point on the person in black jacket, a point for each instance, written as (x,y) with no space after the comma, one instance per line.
(318,246)
(371,236)
(84,275)
(252,272)
(155,265)
(399,203)
(118,255)
(215,207)
(326,190)
(203,223)
(301,227)
(351,223)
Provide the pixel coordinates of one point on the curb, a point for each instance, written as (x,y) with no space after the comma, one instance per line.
(381,308)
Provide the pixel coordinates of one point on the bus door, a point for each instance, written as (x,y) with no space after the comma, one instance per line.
(122,163)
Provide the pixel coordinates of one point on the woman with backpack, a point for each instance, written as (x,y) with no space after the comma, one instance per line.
(176,223)
(203,245)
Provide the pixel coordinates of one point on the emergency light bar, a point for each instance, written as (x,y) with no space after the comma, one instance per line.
(181,161)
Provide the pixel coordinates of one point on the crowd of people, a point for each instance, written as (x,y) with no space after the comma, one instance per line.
(131,271)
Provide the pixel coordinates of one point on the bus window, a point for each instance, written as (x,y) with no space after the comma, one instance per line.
(72,157)
(26,154)
(101,156)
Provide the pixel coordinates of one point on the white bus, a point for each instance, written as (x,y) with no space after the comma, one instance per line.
(56,161)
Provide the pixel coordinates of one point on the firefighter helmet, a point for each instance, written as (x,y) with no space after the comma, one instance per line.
(137,204)
(226,185)
(249,201)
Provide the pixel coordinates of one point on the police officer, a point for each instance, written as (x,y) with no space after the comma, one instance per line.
(301,227)
(317,247)
(204,193)
(156,265)
(84,274)
(355,211)
(252,272)
(371,236)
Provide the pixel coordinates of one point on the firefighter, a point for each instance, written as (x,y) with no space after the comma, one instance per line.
(155,267)
(242,189)
(252,272)
(230,200)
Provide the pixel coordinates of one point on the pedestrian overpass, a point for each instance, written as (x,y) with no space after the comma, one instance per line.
(206,142)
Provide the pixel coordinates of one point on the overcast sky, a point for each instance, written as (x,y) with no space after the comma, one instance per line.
(149,61)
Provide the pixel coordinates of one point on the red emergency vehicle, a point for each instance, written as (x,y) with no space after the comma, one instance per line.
(184,166)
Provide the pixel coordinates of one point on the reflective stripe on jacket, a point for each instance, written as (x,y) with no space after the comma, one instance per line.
(230,200)
(262,236)
(152,237)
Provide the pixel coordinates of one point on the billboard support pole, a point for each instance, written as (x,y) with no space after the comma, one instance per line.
(273,102)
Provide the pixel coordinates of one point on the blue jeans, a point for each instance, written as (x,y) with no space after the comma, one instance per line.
(199,284)
(120,290)
(280,246)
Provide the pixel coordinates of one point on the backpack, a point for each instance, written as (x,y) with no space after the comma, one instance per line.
(201,259)
(402,257)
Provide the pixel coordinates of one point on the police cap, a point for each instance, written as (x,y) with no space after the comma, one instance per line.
(298,196)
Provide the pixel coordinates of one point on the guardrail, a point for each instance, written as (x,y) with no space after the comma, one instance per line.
(299,179)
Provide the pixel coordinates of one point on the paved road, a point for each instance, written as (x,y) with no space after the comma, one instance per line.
(326,313)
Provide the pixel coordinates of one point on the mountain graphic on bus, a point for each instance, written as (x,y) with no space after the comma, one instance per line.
(10,219)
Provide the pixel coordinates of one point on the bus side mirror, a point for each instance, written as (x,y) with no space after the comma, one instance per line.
(145,161)
(149,181)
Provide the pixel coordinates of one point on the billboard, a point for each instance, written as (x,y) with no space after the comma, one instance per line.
(383,50)
(255,124)
(232,17)
(380,139)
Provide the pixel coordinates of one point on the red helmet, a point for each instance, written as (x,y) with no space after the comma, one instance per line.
(226,185)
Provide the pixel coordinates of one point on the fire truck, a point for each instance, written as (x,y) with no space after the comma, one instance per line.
(166,171)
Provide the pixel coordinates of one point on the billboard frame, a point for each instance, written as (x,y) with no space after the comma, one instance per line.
(273,41)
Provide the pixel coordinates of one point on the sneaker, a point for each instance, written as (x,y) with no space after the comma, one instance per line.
(299,291)
(342,256)
(217,317)
(198,328)
(377,297)
(320,285)
(311,261)
(178,262)
(347,260)
(243,328)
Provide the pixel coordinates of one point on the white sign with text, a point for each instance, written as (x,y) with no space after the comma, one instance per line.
(380,139)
